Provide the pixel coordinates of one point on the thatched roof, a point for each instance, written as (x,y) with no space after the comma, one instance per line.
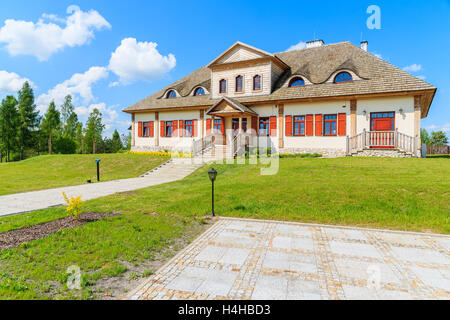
(317,65)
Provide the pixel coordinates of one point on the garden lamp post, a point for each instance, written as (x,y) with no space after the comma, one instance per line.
(98,169)
(212,176)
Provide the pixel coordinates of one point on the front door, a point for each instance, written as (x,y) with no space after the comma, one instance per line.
(382,126)
(235,126)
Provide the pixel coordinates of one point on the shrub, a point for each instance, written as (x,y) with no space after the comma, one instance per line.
(74,205)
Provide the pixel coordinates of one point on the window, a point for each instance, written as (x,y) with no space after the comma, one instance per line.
(244,124)
(171,94)
(218,126)
(343,77)
(299,125)
(296,82)
(239,83)
(169,128)
(257,82)
(199,92)
(382,121)
(329,125)
(188,128)
(146,129)
(223,86)
(264,126)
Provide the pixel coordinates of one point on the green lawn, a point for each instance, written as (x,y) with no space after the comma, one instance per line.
(401,194)
(54,171)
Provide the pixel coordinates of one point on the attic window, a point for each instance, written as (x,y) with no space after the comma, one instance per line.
(239,83)
(343,77)
(257,82)
(171,94)
(223,86)
(296,82)
(199,92)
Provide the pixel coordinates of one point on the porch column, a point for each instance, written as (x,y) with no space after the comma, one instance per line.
(281,126)
(240,125)
(133,130)
(201,126)
(353,105)
(417,116)
(156,129)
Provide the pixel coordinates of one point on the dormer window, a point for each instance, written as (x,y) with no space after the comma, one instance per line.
(297,82)
(223,86)
(171,94)
(199,92)
(343,77)
(239,83)
(257,82)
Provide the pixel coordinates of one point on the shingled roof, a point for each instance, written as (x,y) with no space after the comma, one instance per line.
(317,65)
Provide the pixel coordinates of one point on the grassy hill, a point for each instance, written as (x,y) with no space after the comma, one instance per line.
(52,171)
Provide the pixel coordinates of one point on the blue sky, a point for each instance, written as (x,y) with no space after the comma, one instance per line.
(71,49)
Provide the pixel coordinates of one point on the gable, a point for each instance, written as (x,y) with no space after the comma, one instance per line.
(240,52)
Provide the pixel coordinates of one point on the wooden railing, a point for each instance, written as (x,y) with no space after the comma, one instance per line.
(203,144)
(241,143)
(383,140)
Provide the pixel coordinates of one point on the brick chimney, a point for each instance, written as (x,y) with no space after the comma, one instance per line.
(364,45)
(314,43)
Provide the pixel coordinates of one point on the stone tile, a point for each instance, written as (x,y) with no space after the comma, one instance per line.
(185,283)
(362,270)
(235,256)
(303,289)
(354,249)
(270,288)
(211,253)
(420,255)
(402,239)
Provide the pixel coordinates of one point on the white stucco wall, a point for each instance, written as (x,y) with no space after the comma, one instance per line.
(404,122)
(144,141)
(317,142)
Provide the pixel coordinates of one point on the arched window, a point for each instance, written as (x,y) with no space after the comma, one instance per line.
(222,86)
(257,82)
(171,94)
(199,92)
(343,77)
(296,82)
(239,83)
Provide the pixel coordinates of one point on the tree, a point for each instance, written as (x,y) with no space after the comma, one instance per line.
(28,118)
(94,129)
(65,145)
(126,140)
(424,136)
(69,118)
(51,124)
(438,138)
(116,142)
(79,138)
(9,120)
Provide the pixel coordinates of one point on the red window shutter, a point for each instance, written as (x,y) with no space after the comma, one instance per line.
(181,127)
(288,125)
(139,129)
(309,125)
(255,124)
(342,131)
(175,128)
(273,126)
(208,126)
(152,124)
(162,128)
(194,129)
(222,127)
(318,125)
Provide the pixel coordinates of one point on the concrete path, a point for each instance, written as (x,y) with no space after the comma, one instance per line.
(172,170)
(256,259)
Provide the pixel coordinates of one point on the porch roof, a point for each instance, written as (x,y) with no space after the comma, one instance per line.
(236,107)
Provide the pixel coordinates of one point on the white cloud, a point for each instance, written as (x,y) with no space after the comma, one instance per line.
(11,82)
(379,56)
(422,77)
(298,46)
(134,60)
(42,39)
(445,127)
(413,68)
(79,86)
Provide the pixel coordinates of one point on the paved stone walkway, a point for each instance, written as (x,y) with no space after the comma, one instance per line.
(255,259)
(172,170)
